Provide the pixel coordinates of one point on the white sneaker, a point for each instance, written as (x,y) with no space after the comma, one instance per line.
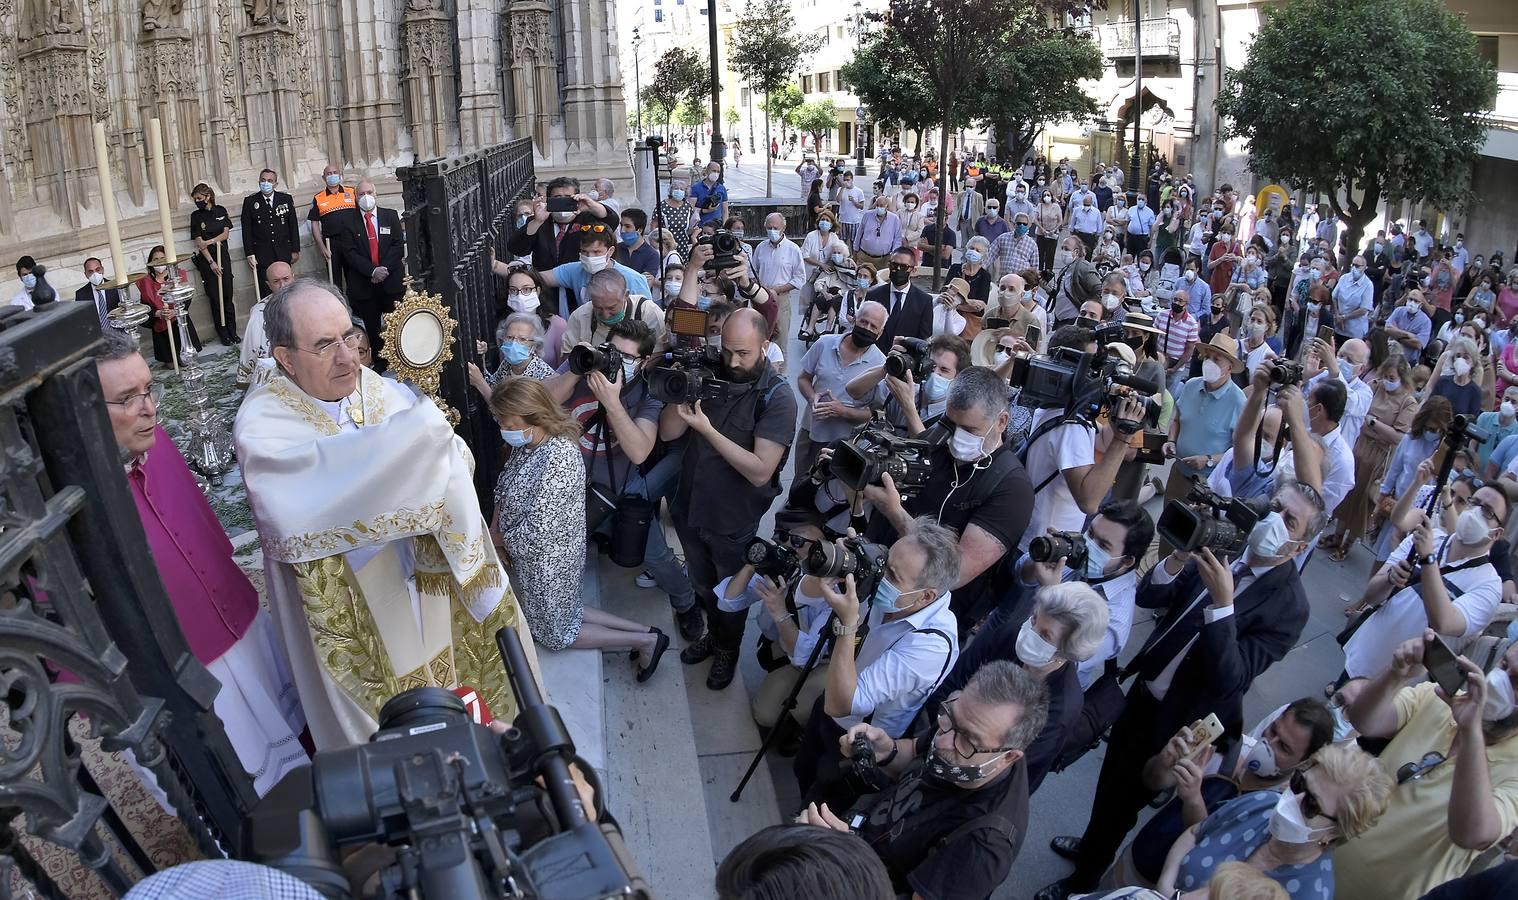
(645,579)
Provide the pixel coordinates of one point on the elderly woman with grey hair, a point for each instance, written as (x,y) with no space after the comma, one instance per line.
(1063,630)
(520,338)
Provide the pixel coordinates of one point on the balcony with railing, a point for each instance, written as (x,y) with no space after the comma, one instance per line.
(1160,39)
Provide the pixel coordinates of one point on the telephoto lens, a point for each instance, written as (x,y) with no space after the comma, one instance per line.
(1068,544)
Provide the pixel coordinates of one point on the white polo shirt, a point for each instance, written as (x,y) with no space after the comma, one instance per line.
(1061,448)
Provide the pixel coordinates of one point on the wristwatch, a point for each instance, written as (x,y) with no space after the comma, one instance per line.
(842,630)
(1425,560)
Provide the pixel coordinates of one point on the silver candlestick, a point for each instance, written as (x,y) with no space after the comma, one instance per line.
(210,448)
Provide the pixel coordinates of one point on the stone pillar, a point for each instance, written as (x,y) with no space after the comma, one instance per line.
(167,76)
(534,76)
(272,98)
(55,94)
(595,115)
(481,119)
(428,85)
(370,114)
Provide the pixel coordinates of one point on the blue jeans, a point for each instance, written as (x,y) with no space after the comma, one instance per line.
(658,559)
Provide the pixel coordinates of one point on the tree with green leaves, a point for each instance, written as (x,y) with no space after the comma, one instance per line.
(766,51)
(1384,98)
(816,118)
(892,96)
(1034,85)
(731,119)
(951,41)
(691,115)
(680,76)
(781,105)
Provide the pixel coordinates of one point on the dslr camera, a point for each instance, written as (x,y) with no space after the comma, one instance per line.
(605,359)
(1285,372)
(850,556)
(727,250)
(1068,544)
(773,558)
(1207,519)
(874,450)
(910,356)
(687,376)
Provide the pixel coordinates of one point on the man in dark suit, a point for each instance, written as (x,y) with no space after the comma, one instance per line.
(270,229)
(104,298)
(909,309)
(373,251)
(558,243)
(1224,624)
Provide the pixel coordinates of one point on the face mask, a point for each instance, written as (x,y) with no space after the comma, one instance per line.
(593,264)
(1256,330)
(935,387)
(367,203)
(1259,758)
(29,280)
(1144,267)
(966,445)
(973,256)
(201,204)
(515,353)
(992,212)
(1190,275)
(1048,198)
(954,773)
(628,238)
(911,206)
(1063,258)
(1500,700)
(1391,385)
(1462,367)
(1348,369)
(1342,726)
(900,277)
(1032,649)
(1413,306)
(677,195)
(1269,538)
(1287,824)
(266,187)
(1021,229)
(612,320)
(737,235)
(97,279)
(334,180)
(526,301)
(888,596)
(712,176)
(863,284)
(1096,560)
(629,369)
(1471,528)
(521,221)
(1110,301)
(1142,203)
(1508,409)
(1211,371)
(1316,275)
(715,341)
(514,438)
(563,217)
(1459,318)
(863,337)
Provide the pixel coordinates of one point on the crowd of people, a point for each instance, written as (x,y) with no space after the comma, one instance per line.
(931,661)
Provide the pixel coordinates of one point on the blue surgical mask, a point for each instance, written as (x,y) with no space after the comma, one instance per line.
(863,283)
(515,353)
(514,438)
(677,195)
(1347,369)
(703,303)
(935,387)
(1096,559)
(629,238)
(824,226)
(1431,435)
(334,180)
(28,281)
(266,187)
(888,596)
(521,222)
(972,256)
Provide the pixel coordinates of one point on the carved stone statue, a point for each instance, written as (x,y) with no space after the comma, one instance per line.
(424,5)
(43,17)
(264,12)
(158,14)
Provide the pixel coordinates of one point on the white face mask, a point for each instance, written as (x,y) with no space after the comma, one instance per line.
(1259,758)
(1269,538)
(1211,371)
(1500,701)
(1471,528)
(1508,409)
(97,279)
(672,288)
(1110,301)
(1287,823)
(1032,649)
(526,301)
(1063,258)
(1462,367)
(1256,330)
(563,217)
(366,202)
(966,445)
(593,264)
(1190,275)
(1413,306)
(1144,266)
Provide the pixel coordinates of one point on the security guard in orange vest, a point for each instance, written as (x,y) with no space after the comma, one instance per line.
(334,197)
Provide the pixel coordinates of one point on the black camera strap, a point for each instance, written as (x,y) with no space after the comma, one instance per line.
(1043,429)
(1445,571)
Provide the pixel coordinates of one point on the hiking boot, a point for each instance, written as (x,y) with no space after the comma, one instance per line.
(692,624)
(724,667)
(700,651)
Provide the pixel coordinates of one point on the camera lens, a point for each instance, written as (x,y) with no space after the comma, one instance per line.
(827,561)
(896,365)
(758,550)
(584,360)
(420,706)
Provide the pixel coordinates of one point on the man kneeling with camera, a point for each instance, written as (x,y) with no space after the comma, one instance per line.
(953,822)
(906,641)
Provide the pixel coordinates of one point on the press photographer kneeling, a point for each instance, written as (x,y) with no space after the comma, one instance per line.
(953,822)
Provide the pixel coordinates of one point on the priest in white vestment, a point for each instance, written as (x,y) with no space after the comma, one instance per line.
(380,571)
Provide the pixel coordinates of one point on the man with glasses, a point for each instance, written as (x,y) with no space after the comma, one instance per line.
(378,565)
(255,364)
(216,606)
(1434,579)
(373,250)
(954,821)
(1456,764)
(597,242)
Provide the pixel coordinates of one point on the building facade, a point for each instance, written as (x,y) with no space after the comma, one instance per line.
(291,85)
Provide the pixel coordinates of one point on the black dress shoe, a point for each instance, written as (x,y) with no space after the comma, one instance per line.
(724,667)
(1067,846)
(1056,891)
(692,624)
(660,645)
(700,651)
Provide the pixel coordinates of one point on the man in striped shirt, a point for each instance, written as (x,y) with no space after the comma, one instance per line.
(1017,249)
(1179,330)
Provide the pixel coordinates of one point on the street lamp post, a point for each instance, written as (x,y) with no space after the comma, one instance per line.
(719,146)
(637,43)
(1138,92)
(859,125)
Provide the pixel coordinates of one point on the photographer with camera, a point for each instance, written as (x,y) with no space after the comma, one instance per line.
(604,390)
(912,407)
(559,244)
(976,486)
(953,822)
(909,644)
(729,475)
(709,195)
(717,270)
(1069,482)
(1223,625)
(610,303)
(826,370)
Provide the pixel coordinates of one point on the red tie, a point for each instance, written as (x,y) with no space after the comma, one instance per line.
(373,239)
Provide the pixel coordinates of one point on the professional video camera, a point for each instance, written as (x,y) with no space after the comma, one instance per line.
(856,556)
(726,250)
(471,815)
(910,356)
(687,376)
(1068,544)
(1208,519)
(772,558)
(605,359)
(1082,383)
(874,450)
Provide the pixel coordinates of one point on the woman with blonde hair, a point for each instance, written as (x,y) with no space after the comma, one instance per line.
(1393,406)
(539,528)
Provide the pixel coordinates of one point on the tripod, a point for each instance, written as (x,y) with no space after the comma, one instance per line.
(788,704)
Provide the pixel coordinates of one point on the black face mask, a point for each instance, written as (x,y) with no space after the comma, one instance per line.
(201,204)
(863,337)
(900,277)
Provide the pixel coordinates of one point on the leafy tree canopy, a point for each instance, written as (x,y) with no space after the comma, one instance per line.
(680,75)
(782,103)
(766,50)
(891,96)
(1359,99)
(1034,85)
(817,118)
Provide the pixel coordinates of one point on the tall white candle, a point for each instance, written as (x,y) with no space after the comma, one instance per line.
(108,203)
(161,183)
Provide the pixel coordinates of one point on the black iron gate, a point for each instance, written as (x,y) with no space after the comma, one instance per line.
(457,211)
(79,594)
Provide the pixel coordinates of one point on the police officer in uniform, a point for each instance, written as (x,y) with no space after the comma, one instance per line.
(326,227)
(270,231)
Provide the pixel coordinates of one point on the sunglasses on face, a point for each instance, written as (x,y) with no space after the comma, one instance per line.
(1311,808)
